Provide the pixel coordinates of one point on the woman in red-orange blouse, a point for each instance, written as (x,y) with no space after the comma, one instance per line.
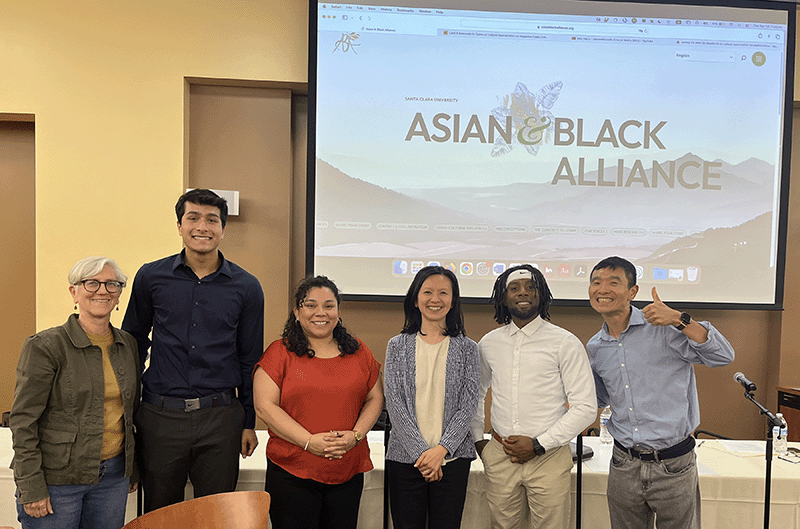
(318,390)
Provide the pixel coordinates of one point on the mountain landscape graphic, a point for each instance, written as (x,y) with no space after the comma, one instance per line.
(541,220)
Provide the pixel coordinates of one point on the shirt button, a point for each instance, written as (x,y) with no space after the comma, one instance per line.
(194,325)
(622,365)
(193,347)
(626,386)
(196,303)
(630,409)
(199,282)
(636,429)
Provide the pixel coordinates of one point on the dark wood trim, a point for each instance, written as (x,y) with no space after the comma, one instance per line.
(10,116)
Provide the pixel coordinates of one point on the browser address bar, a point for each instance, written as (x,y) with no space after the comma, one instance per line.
(552,27)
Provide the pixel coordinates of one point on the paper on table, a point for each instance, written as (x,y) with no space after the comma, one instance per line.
(750,447)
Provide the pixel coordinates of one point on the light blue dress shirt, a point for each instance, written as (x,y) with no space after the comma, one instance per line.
(648,378)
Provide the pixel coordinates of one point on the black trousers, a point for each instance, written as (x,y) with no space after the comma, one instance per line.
(201,445)
(298,503)
(413,500)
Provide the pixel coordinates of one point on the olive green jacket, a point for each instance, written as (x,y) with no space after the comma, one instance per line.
(57,416)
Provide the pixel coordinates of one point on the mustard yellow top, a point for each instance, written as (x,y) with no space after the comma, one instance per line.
(113,409)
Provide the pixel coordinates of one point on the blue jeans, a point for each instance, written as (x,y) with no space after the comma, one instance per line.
(97,506)
(641,492)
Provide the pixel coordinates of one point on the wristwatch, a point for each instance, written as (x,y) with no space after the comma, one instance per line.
(537,448)
(358,435)
(685,320)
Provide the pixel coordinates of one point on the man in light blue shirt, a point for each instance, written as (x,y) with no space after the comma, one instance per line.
(642,362)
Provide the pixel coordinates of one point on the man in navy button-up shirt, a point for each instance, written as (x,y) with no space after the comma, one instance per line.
(206,315)
(643,364)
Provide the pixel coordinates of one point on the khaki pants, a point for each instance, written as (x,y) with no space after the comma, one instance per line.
(539,487)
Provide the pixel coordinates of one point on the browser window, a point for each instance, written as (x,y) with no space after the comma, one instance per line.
(477,140)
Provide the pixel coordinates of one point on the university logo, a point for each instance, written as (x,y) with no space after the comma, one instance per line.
(346,43)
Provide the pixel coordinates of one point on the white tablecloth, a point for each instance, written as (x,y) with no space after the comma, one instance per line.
(731,486)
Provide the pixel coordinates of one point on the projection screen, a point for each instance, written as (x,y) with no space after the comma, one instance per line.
(480,137)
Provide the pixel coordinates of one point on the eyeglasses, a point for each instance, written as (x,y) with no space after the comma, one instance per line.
(93,285)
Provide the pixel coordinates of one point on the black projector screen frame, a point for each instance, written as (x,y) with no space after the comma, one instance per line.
(554,133)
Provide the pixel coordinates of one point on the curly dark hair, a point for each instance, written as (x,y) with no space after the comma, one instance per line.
(454,320)
(293,336)
(501,313)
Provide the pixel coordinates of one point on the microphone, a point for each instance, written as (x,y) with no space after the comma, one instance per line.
(741,379)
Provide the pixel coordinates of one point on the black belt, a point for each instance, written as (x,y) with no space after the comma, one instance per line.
(222,398)
(682,448)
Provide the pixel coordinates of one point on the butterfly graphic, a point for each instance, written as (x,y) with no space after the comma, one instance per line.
(530,116)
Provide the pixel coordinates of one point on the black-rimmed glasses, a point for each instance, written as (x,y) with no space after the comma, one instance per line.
(93,285)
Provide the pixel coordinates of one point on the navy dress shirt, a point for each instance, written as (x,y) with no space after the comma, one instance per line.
(207,334)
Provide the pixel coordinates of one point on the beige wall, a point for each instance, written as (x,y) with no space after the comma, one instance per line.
(106,82)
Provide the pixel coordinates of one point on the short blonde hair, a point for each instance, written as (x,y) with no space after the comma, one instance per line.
(91,266)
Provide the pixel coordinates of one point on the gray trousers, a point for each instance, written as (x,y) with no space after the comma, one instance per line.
(666,491)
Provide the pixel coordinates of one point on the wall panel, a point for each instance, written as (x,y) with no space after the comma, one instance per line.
(18,215)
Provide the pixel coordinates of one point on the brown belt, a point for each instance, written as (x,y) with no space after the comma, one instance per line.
(497,437)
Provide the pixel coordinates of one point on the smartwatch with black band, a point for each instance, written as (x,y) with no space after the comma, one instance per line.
(537,448)
(685,320)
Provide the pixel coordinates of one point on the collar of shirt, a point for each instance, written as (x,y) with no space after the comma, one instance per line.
(636,318)
(78,336)
(527,330)
(224,267)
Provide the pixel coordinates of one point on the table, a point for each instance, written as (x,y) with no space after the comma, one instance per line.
(731,486)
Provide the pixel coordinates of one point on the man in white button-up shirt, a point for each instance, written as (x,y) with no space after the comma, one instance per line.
(534,369)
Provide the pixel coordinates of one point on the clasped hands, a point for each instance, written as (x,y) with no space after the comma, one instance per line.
(430,462)
(332,445)
(519,448)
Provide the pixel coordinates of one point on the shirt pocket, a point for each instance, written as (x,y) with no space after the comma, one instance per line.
(56,448)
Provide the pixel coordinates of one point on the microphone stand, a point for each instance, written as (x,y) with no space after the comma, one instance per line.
(771,421)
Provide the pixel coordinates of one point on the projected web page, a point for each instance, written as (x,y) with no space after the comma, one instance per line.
(479,140)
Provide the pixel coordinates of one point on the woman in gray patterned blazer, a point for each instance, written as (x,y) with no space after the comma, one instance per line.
(431,377)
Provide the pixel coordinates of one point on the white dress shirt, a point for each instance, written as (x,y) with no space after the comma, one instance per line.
(534,372)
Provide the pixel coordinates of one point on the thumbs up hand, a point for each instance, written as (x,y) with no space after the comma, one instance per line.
(657,313)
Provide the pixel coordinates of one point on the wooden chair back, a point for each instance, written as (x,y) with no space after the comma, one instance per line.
(229,510)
